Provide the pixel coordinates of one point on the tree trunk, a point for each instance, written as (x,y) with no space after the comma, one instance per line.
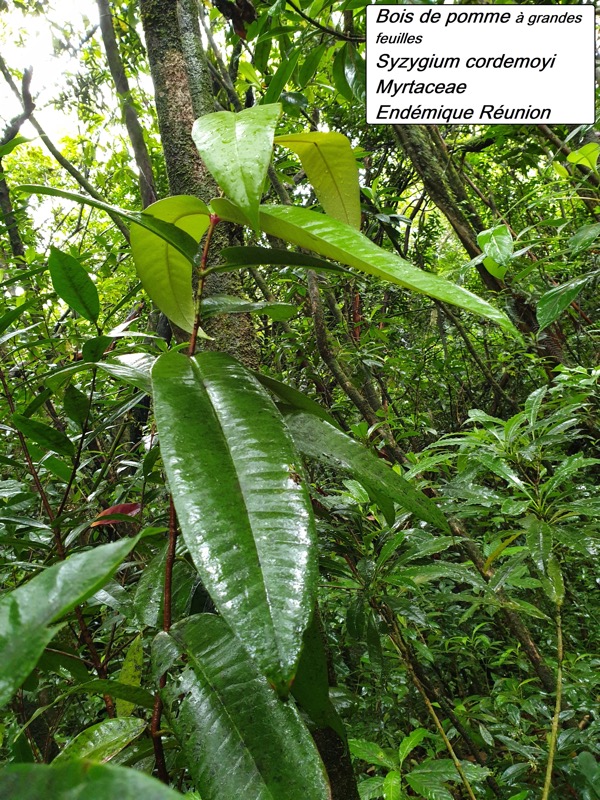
(443,183)
(183,90)
(130,116)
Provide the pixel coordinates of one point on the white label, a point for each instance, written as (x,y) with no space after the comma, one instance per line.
(493,64)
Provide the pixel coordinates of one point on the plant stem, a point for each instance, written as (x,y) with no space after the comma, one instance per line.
(159,753)
(202,268)
(557,707)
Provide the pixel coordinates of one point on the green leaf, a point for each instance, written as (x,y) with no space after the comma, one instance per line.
(355,72)
(10,145)
(169,233)
(27,612)
(120,691)
(166,273)
(7,319)
(311,685)
(433,572)
(310,64)
(222,438)
(254,256)
(333,239)
(371,788)
(76,405)
(281,77)
(102,741)
(392,788)
(148,601)
(497,244)
(584,237)
(294,398)
(80,779)
(503,470)
(408,744)
(240,740)
(132,368)
(44,435)
(226,304)
(330,166)
(556,580)
(539,541)
(318,439)
(131,673)
(586,155)
(93,349)
(338,73)
(428,785)
(372,753)
(373,641)
(236,149)
(553,302)
(73,285)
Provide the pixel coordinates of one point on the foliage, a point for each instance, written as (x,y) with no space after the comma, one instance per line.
(380,547)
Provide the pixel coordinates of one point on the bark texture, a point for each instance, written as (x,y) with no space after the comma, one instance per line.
(444,184)
(183,91)
(130,115)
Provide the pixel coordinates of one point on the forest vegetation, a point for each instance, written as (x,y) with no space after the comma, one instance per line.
(298,491)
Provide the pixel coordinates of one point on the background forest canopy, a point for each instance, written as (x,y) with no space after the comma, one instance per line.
(298,491)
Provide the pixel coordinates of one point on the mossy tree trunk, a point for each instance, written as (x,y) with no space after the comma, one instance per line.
(183,92)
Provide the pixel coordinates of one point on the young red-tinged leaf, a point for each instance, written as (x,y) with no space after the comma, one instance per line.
(107,517)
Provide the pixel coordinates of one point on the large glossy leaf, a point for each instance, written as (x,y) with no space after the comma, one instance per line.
(170,233)
(239,738)
(27,613)
(311,685)
(333,239)
(246,521)
(72,284)
(330,166)
(132,368)
(165,273)
(318,439)
(80,780)
(102,741)
(236,149)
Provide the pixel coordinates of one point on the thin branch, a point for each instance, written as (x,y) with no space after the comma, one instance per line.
(331,31)
(65,163)
(134,129)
